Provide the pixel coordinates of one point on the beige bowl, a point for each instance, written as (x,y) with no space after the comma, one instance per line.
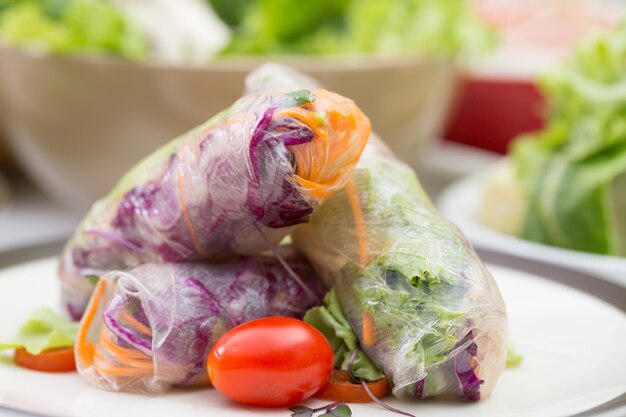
(77,123)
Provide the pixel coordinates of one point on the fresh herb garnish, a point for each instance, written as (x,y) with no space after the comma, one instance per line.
(302,97)
(93,279)
(337,409)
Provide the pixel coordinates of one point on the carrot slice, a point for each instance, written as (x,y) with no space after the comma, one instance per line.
(54,360)
(339,388)
(368,329)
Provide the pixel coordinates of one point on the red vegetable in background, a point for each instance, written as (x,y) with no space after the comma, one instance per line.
(270,362)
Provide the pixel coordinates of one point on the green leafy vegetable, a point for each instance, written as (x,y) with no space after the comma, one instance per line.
(231,11)
(5,4)
(426,27)
(399,271)
(302,96)
(93,279)
(329,320)
(338,409)
(43,331)
(513,359)
(569,169)
(303,16)
(72,27)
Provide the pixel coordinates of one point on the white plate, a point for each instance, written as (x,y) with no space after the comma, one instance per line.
(460,203)
(573,346)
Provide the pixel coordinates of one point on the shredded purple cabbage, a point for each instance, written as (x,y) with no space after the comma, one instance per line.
(461,366)
(188,306)
(469,382)
(126,335)
(419,388)
(286,206)
(200,203)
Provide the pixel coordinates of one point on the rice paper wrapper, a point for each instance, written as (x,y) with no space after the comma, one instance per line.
(424,307)
(234,186)
(152,327)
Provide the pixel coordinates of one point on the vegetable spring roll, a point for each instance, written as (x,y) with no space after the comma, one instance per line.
(153,326)
(235,185)
(421,303)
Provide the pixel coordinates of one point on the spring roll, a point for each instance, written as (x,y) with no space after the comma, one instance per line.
(152,327)
(235,185)
(422,304)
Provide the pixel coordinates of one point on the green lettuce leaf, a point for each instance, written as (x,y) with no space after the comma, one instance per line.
(513,359)
(399,271)
(419,27)
(72,27)
(232,12)
(567,171)
(43,331)
(5,4)
(329,320)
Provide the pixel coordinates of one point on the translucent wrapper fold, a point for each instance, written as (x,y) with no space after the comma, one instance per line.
(422,304)
(235,185)
(152,327)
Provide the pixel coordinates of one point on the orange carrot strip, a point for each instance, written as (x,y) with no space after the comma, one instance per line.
(368,329)
(361,234)
(115,371)
(308,117)
(133,322)
(129,363)
(314,189)
(84,349)
(339,140)
(359,223)
(128,356)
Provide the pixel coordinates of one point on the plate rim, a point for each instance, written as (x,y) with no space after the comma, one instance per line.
(483,237)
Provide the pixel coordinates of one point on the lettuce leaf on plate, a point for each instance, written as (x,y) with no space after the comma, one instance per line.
(330,320)
(44,330)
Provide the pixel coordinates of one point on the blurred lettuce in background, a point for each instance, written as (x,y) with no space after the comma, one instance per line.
(232,12)
(426,27)
(574,171)
(71,27)
(391,27)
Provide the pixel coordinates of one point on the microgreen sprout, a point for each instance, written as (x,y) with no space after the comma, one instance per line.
(358,380)
(336,409)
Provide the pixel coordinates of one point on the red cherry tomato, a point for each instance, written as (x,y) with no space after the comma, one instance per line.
(270,362)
